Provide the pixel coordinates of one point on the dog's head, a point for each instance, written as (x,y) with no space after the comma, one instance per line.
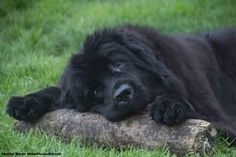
(116,73)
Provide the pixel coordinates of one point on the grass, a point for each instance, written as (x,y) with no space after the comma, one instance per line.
(38,37)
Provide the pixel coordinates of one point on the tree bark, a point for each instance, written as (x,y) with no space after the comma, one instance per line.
(139,131)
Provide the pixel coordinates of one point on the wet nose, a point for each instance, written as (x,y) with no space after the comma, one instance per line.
(123,93)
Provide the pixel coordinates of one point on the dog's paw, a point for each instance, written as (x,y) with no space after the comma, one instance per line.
(24,108)
(170,111)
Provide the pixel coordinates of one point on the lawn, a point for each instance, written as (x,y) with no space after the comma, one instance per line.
(38,37)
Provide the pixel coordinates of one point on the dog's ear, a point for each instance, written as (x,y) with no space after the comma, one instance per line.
(66,99)
(72,95)
(135,43)
(142,49)
(145,54)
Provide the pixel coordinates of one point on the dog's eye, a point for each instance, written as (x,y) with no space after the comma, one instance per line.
(95,92)
(117,66)
(98,96)
(117,63)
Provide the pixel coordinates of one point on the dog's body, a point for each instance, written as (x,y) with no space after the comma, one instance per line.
(119,71)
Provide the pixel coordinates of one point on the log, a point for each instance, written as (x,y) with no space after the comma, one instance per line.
(139,131)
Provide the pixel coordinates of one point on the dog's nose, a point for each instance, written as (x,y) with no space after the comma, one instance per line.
(123,93)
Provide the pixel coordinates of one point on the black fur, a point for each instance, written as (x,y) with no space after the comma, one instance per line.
(121,71)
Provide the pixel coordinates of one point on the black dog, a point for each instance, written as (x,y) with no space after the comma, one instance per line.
(121,71)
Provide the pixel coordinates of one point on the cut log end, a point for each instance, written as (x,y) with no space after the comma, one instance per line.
(139,131)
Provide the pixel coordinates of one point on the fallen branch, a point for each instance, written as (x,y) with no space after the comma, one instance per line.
(140,131)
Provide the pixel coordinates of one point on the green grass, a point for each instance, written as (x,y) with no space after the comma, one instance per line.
(38,37)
